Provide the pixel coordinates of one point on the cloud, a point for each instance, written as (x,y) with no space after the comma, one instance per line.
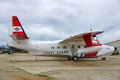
(58,19)
(3,34)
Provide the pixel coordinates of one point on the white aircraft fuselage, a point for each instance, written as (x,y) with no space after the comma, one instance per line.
(54,48)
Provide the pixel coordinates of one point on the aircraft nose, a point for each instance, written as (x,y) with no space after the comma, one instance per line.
(111,49)
(106,50)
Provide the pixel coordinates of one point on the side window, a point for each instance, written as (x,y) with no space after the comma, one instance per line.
(52,47)
(58,47)
(79,46)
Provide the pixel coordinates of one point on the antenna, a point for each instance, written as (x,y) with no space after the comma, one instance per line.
(90,29)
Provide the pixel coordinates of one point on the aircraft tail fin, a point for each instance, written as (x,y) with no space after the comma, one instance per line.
(18,32)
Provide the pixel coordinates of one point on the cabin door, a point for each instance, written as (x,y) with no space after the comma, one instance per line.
(74,50)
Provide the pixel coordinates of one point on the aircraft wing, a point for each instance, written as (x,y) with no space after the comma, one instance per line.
(83,38)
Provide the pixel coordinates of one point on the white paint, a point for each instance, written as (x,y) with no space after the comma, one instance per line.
(65,48)
(17,29)
(90,49)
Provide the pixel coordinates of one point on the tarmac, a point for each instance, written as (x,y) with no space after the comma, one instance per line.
(62,69)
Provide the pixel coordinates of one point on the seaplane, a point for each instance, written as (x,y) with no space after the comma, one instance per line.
(75,47)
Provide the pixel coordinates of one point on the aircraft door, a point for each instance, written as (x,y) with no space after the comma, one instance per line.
(74,50)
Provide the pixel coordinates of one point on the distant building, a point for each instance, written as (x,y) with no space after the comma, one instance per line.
(116,44)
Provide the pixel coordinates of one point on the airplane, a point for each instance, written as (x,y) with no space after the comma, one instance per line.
(73,48)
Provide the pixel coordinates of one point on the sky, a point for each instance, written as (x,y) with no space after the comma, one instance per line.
(60,19)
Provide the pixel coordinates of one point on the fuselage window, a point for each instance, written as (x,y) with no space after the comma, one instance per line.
(52,47)
(64,47)
(78,46)
(65,52)
(85,46)
(58,47)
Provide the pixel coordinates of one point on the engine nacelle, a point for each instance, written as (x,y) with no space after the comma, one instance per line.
(95,42)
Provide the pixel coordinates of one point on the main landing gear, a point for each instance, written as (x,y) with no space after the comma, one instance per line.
(103,58)
(74,58)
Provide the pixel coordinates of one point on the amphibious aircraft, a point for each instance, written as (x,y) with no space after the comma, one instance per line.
(73,48)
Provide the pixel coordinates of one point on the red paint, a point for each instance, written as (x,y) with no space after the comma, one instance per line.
(20,35)
(97,44)
(88,40)
(15,22)
(94,54)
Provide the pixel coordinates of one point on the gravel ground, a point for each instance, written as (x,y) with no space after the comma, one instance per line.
(19,65)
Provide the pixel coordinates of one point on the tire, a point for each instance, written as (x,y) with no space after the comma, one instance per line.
(75,58)
(103,58)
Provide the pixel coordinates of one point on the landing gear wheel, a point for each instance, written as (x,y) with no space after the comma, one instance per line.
(75,58)
(103,58)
